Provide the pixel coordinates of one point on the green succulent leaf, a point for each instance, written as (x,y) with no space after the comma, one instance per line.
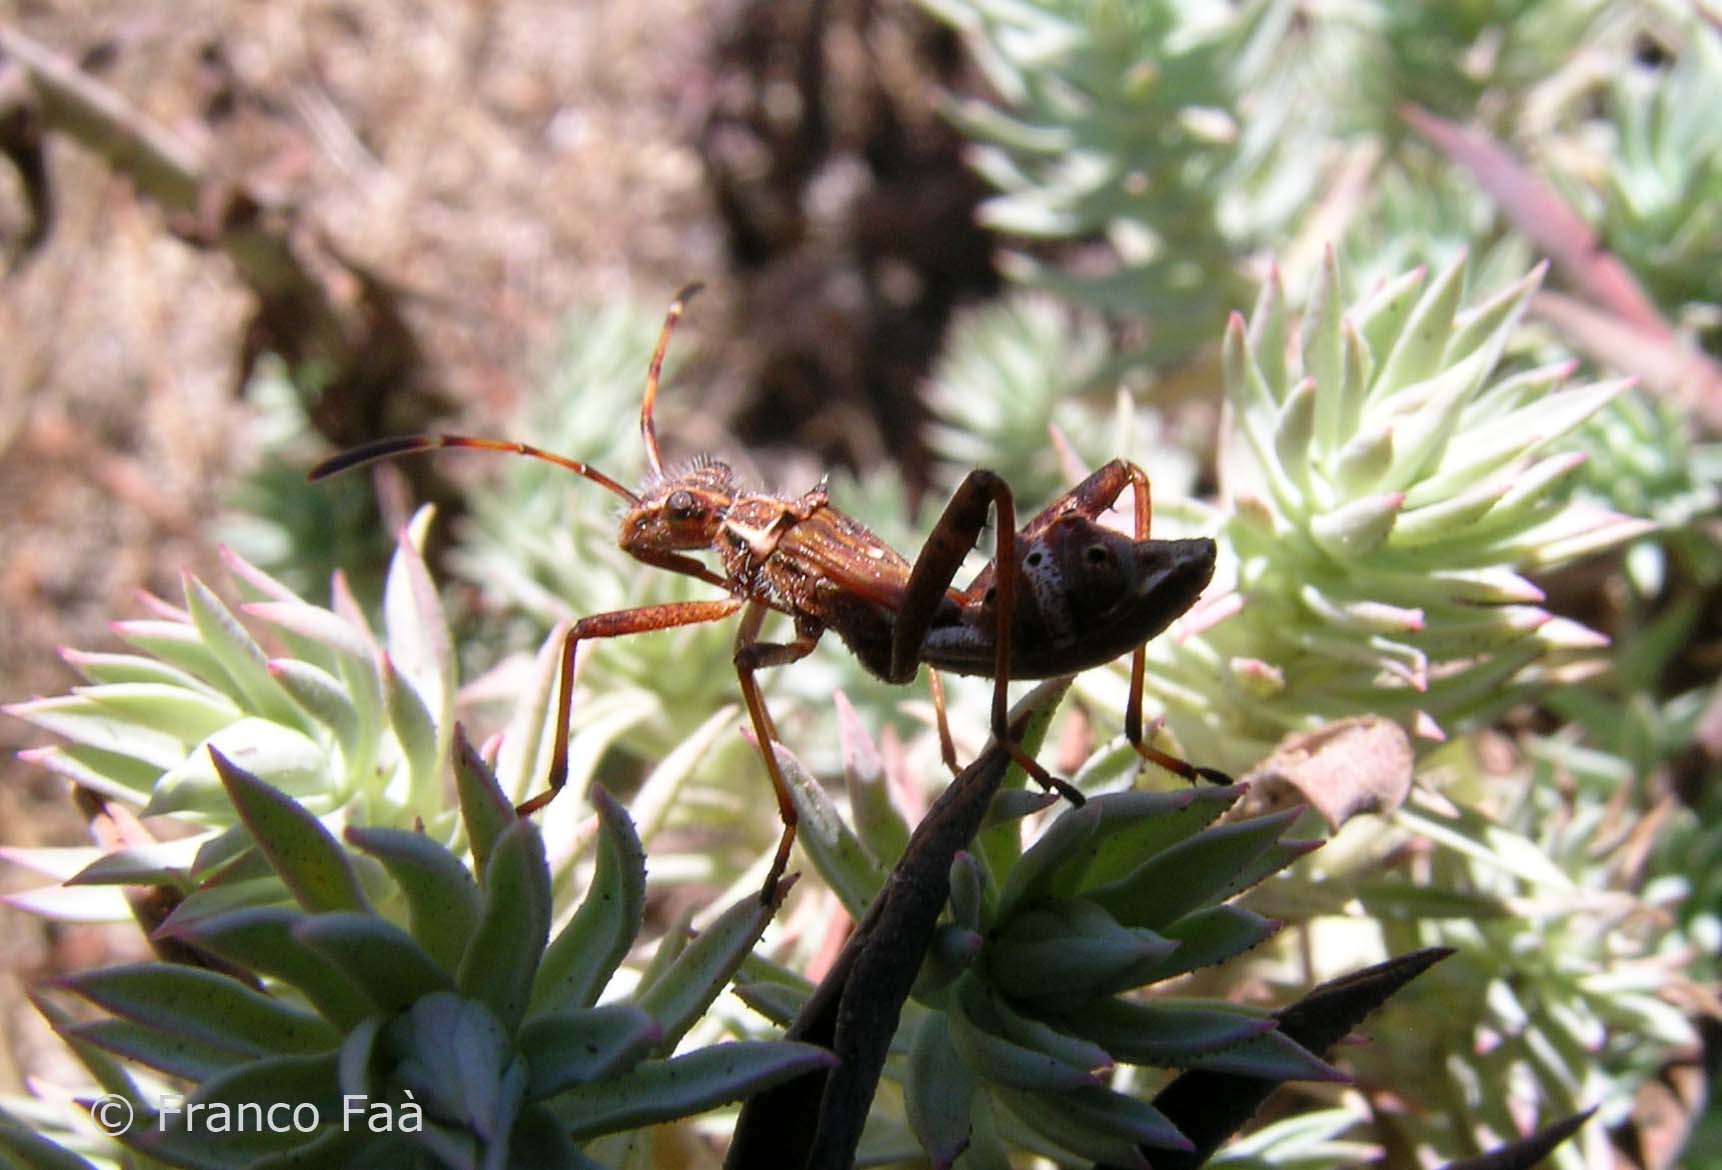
(176,1054)
(586,952)
(382,960)
(443,901)
(1191,873)
(309,860)
(1038,868)
(455,1057)
(938,1091)
(581,1045)
(1165,1032)
(1208,937)
(1069,951)
(262,939)
(1135,826)
(662,1090)
(998,1059)
(838,854)
(485,809)
(244,666)
(681,991)
(215,1009)
(877,821)
(503,951)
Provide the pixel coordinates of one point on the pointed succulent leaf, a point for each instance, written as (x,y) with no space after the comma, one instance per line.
(1364,460)
(662,789)
(415,728)
(322,695)
(206,1006)
(1488,324)
(1324,350)
(1068,952)
(968,893)
(503,951)
(1418,346)
(418,635)
(687,987)
(1381,317)
(108,1072)
(311,863)
(777,1002)
(381,959)
(174,1053)
(1039,868)
(280,757)
(573,1047)
(443,901)
(187,715)
(1359,527)
(837,853)
(1166,1032)
(1209,937)
(663,1090)
(996,1058)
(877,821)
(584,954)
(455,1057)
(159,864)
(485,809)
(1195,871)
(242,660)
(285,1079)
(938,1092)
(178,644)
(1137,825)
(1271,1056)
(118,777)
(1294,432)
(1267,331)
(261,939)
(1033,1032)
(85,722)
(1052,1118)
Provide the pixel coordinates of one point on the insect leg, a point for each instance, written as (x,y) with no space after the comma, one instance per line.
(936,566)
(751,656)
(611,625)
(1139,657)
(947,746)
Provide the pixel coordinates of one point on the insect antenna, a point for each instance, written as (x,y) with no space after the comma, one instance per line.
(400,445)
(649,428)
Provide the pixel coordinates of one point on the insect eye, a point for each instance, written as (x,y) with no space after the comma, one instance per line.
(1097,554)
(681,505)
(1033,559)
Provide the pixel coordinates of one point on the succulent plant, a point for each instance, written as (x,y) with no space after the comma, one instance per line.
(1115,120)
(344,721)
(1025,1031)
(470,1036)
(1388,486)
(1661,206)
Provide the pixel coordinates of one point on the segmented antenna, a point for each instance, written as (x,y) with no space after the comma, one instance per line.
(648,428)
(409,444)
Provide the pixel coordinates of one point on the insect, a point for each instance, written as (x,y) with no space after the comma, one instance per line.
(1063,594)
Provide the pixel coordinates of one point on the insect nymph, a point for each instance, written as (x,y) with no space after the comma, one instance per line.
(1062,594)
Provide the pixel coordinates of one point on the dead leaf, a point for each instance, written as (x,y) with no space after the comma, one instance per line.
(1351,766)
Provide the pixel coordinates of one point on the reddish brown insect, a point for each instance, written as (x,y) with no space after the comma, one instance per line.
(1072,593)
